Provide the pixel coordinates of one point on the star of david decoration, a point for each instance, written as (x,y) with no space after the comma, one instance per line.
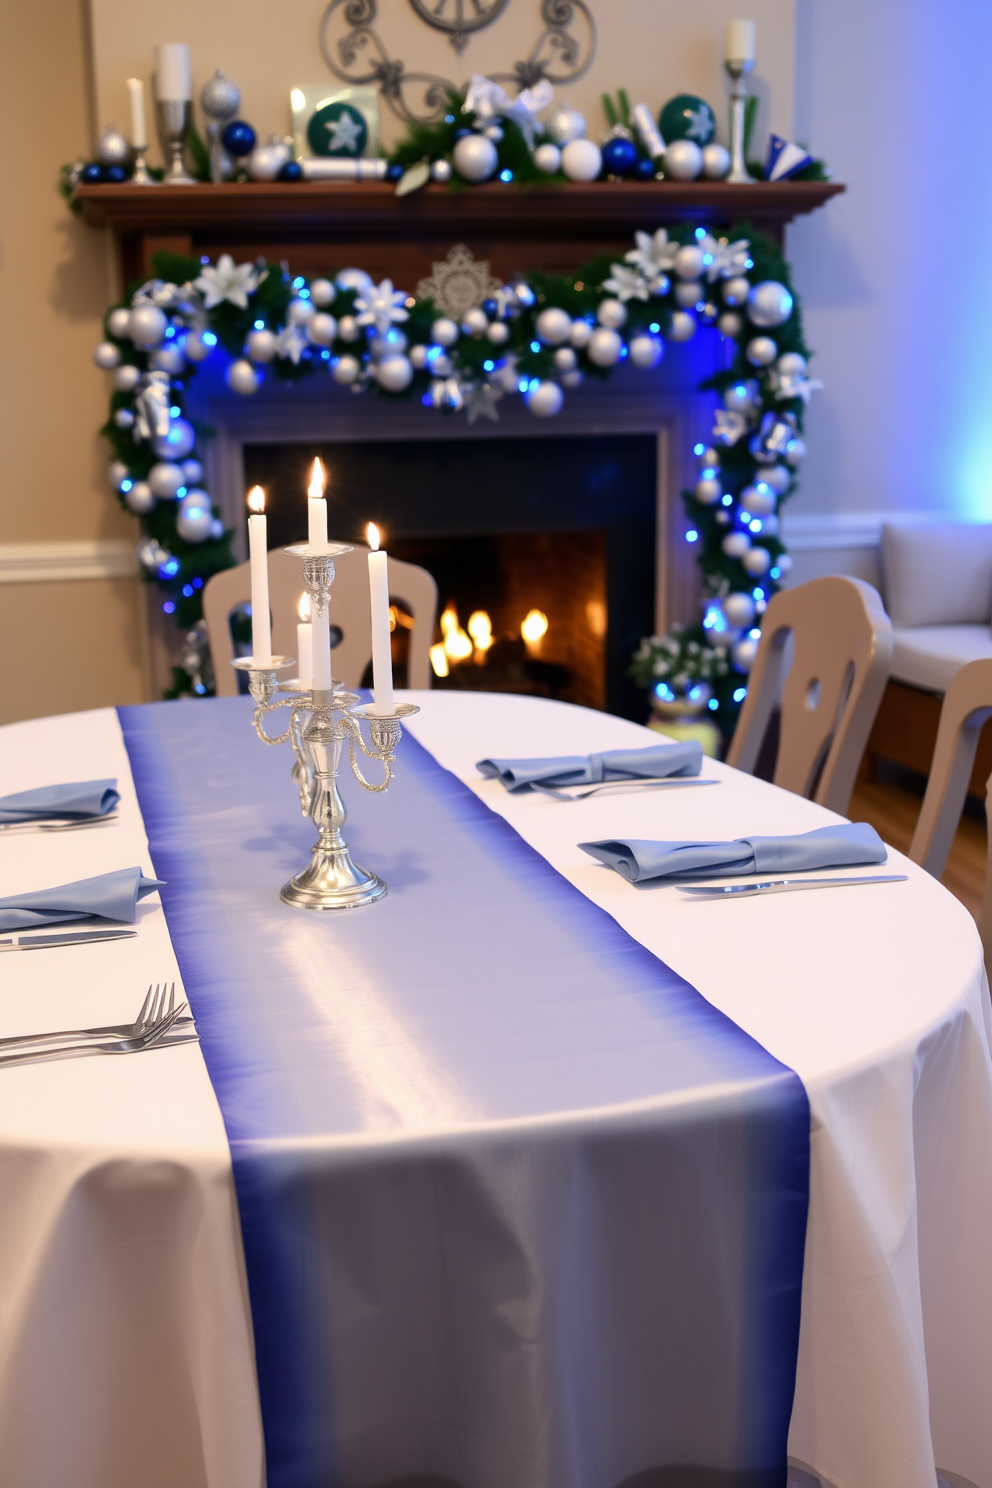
(459,283)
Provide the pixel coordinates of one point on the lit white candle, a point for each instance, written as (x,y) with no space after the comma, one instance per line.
(382,655)
(304,643)
(320,629)
(258,553)
(740,41)
(136,96)
(173,77)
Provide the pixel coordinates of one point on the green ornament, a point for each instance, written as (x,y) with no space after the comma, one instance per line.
(687,117)
(337,129)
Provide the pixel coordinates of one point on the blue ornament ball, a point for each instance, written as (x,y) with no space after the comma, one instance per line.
(238,138)
(461,133)
(92,175)
(291,171)
(394,172)
(644,169)
(115,174)
(619,156)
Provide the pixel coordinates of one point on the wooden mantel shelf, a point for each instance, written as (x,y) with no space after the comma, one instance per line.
(312,223)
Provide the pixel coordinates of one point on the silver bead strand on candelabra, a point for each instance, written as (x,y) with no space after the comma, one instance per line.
(220,100)
(320,721)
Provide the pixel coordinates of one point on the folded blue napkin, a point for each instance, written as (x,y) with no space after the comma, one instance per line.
(842,846)
(112,896)
(79,798)
(653,763)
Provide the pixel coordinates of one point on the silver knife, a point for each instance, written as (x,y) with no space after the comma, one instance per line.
(69,937)
(60,824)
(785,885)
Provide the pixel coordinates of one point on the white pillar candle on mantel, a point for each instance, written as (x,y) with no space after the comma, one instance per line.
(304,644)
(382,653)
(740,41)
(136,97)
(173,76)
(258,553)
(317,539)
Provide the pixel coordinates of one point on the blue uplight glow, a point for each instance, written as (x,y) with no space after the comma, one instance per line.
(740,693)
(692,535)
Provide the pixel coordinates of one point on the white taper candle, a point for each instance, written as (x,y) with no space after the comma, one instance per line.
(382,655)
(317,538)
(740,41)
(261,631)
(173,77)
(136,97)
(304,644)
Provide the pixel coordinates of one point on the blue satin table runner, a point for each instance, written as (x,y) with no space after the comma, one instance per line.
(520,1208)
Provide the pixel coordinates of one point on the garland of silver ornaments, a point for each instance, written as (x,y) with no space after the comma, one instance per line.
(537,337)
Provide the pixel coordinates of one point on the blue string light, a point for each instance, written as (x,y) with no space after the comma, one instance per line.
(168,607)
(740,693)
(489,366)
(713,704)
(692,535)
(535,346)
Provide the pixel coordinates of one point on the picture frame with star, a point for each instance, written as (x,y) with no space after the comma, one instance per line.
(338,123)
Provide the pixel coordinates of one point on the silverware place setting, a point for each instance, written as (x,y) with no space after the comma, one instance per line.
(560,793)
(160,1023)
(61,938)
(62,824)
(787,885)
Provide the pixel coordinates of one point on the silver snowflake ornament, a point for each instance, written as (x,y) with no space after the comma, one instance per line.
(227,282)
(627,284)
(291,342)
(725,260)
(654,254)
(380,305)
(729,426)
(481,400)
(700,124)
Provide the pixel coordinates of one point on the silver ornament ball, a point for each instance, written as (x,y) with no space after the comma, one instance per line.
(683,160)
(116,472)
(444,332)
(545,400)
(356,279)
(757,561)
(688,292)
(730,324)
(169,358)
(740,395)
(475,323)
(791,364)
(739,610)
(140,498)
(124,418)
(299,312)
(322,329)
(261,346)
(736,291)
(126,378)
(192,472)
(769,304)
(165,478)
(497,333)
(580,333)
(475,157)
(777,477)
(565,359)
(197,350)
(322,293)
(266,161)
(146,325)
(547,158)
(682,327)
(716,162)
(242,378)
(708,491)
(582,160)
(736,544)
(347,370)
(113,148)
(566,124)
(418,357)
(761,352)
(554,326)
(117,322)
(611,313)
(394,373)
(758,500)
(796,453)
(441,171)
(604,347)
(177,443)
(219,97)
(689,261)
(783,563)
(106,356)
(194,521)
(646,351)
(573,379)
(744,653)
(349,329)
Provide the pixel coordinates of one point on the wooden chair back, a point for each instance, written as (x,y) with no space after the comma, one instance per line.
(967,704)
(409,585)
(841,644)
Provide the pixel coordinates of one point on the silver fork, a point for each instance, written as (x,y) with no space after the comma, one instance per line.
(71,825)
(562,793)
(154,1034)
(152,1010)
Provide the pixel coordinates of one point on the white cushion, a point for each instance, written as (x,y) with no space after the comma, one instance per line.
(938,573)
(928,655)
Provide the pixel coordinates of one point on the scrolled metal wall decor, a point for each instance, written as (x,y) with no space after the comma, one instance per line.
(558,55)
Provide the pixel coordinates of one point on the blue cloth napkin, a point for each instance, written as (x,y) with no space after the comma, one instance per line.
(842,846)
(653,763)
(112,896)
(77,798)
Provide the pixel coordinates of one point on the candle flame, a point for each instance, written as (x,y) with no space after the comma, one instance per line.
(480,628)
(439,660)
(535,625)
(303,608)
(256,499)
(318,481)
(373,536)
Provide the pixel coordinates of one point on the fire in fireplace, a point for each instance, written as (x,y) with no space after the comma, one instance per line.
(543,549)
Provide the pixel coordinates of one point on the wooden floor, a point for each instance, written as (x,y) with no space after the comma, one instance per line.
(892,807)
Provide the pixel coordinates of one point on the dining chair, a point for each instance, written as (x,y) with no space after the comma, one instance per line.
(409,585)
(967,704)
(840,641)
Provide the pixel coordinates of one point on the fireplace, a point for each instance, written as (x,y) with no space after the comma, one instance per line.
(564,526)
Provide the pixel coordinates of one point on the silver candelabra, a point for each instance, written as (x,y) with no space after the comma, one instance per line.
(738,70)
(321,721)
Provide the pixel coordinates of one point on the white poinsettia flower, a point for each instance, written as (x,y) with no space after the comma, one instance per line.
(291,343)
(729,426)
(227,282)
(627,284)
(793,385)
(380,305)
(654,254)
(161,293)
(725,260)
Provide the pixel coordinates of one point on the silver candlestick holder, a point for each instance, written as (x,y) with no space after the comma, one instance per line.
(321,722)
(140,174)
(738,70)
(175,118)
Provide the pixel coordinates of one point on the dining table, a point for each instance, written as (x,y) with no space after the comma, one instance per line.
(526,1176)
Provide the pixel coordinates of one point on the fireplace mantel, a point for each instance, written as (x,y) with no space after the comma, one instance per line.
(316,226)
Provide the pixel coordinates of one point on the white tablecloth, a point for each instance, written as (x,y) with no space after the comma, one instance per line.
(125,1341)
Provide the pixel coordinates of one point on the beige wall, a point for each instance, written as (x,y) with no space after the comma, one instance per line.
(74,645)
(654,48)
